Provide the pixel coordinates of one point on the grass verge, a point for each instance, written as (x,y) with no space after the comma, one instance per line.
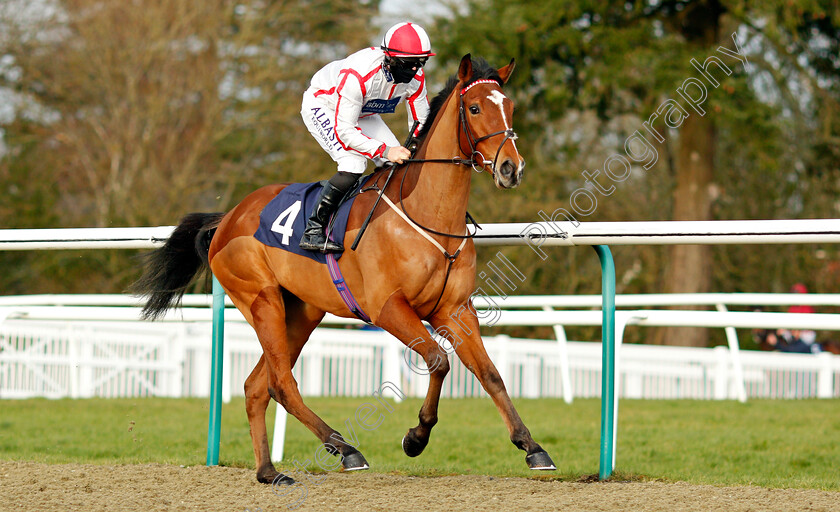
(764,443)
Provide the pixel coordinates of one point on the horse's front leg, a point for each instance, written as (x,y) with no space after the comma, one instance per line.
(462,329)
(397,317)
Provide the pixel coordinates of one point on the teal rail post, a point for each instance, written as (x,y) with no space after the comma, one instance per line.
(608,397)
(214,429)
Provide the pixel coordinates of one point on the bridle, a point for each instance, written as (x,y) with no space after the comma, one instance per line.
(472,161)
(476,160)
(465,128)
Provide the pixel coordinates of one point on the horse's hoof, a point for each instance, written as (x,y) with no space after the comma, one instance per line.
(540,461)
(274,478)
(354,462)
(412,445)
(280,480)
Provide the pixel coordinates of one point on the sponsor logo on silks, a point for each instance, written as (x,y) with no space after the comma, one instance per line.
(381,106)
(327,132)
(388,75)
(320,117)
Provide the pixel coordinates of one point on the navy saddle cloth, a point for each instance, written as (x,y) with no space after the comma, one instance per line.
(283,219)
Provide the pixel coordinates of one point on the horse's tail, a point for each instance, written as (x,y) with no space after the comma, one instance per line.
(170,269)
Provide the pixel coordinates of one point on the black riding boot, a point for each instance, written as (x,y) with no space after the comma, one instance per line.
(314,238)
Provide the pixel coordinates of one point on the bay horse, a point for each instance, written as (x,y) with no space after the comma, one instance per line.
(400,273)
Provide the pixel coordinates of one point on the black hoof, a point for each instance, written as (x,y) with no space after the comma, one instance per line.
(271,476)
(413,445)
(281,480)
(540,461)
(354,462)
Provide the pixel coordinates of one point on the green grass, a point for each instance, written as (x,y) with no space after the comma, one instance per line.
(764,443)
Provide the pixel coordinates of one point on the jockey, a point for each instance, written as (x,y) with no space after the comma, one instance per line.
(342,110)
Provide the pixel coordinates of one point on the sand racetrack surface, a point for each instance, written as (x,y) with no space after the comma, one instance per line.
(33,486)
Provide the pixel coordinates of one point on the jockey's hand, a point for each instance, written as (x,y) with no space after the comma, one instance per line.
(413,142)
(397,154)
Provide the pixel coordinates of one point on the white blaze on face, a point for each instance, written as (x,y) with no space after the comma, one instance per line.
(498,98)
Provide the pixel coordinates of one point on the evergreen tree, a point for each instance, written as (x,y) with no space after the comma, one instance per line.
(752,137)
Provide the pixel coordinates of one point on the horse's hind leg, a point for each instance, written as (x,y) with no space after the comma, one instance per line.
(256,403)
(399,319)
(281,346)
(301,320)
(470,349)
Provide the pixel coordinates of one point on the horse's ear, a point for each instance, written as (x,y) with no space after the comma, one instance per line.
(506,71)
(465,69)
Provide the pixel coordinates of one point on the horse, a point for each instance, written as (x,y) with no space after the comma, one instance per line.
(401,273)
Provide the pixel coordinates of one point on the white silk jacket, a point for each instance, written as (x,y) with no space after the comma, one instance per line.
(357,87)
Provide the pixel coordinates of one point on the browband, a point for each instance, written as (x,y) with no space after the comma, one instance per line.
(485,81)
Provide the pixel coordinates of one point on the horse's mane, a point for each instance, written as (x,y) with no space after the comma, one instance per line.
(481,70)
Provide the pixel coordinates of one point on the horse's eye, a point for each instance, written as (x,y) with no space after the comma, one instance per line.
(474,109)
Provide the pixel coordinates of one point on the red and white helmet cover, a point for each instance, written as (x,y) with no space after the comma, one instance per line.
(407,40)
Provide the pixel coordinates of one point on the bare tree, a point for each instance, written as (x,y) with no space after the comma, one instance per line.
(160,107)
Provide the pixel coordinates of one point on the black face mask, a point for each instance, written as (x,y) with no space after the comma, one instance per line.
(403,70)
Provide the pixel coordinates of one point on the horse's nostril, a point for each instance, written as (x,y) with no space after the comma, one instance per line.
(508,169)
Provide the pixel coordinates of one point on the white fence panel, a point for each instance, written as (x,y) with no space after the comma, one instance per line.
(85,360)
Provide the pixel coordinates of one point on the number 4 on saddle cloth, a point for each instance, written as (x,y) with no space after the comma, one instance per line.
(283,220)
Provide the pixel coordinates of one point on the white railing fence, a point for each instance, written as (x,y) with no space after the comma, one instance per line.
(87,349)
